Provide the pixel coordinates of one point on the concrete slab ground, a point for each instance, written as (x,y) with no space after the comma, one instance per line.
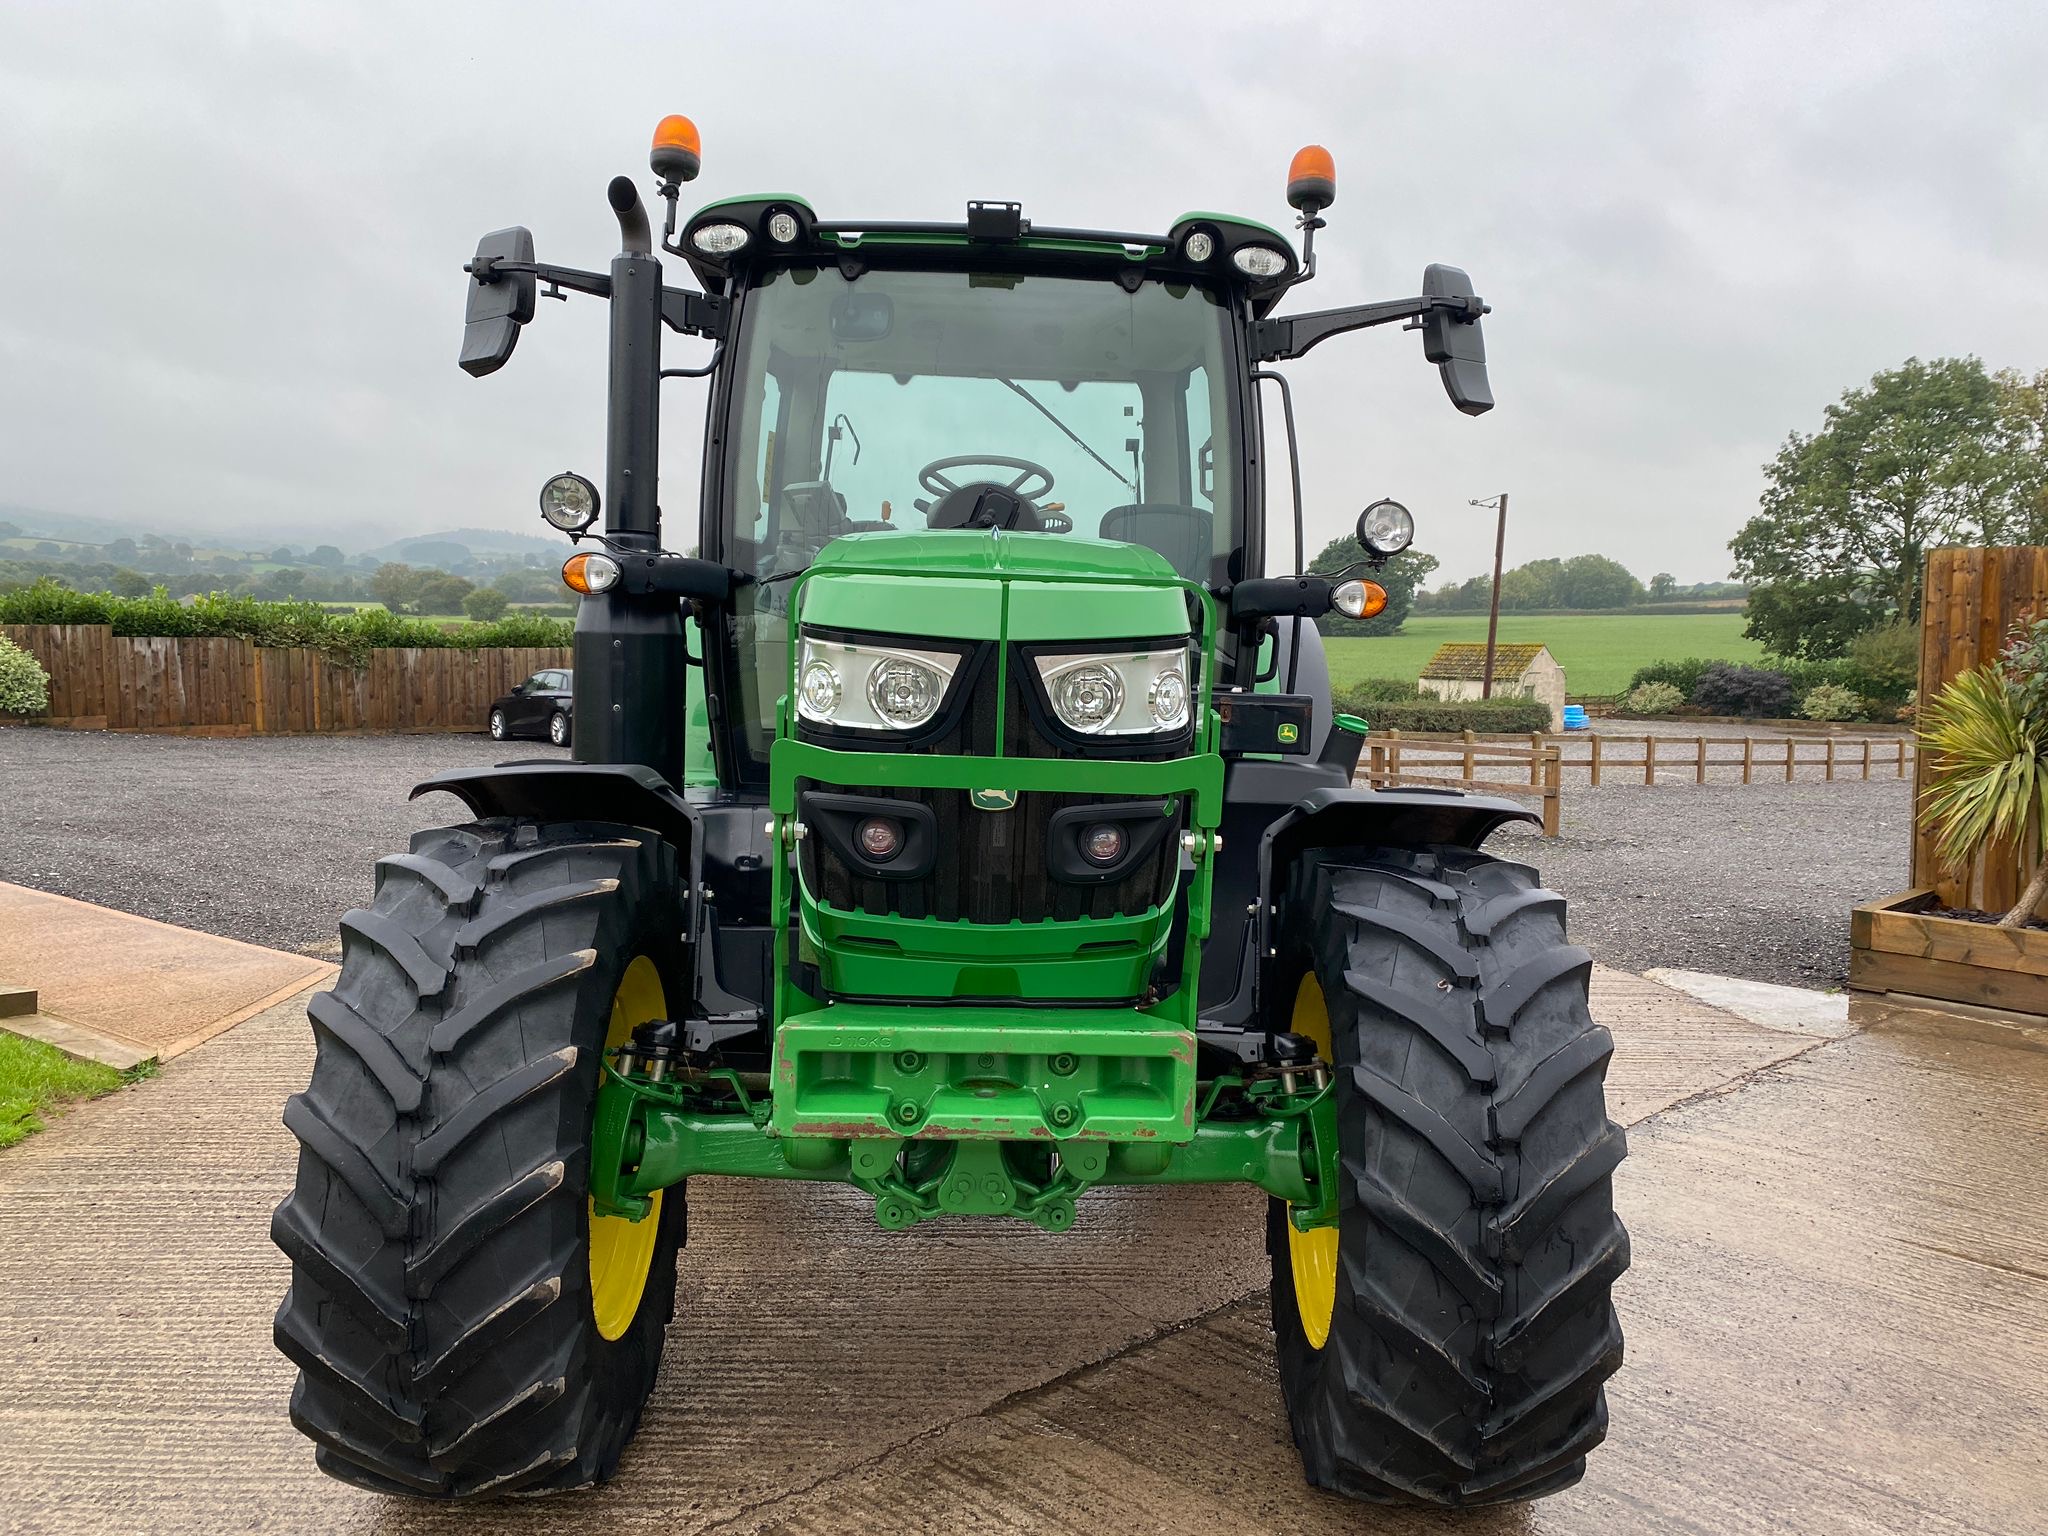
(1837,1322)
(152,987)
(1762,1002)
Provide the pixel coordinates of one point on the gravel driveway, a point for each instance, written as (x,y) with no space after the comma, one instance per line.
(271,839)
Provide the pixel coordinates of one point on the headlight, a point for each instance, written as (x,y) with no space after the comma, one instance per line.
(906,692)
(782,228)
(1386,528)
(865,687)
(1087,697)
(1127,693)
(1200,246)
(818,690)
(1258,261)
(719,239)
(569,502)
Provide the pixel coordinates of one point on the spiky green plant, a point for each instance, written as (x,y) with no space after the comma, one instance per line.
(1989,777)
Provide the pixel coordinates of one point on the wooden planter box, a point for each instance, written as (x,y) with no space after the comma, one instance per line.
(1901,944)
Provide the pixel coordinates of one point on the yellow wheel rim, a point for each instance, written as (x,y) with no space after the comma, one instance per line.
(1313,1255)
(622,1251)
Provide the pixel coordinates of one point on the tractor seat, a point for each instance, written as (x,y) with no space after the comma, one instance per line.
(1185,535)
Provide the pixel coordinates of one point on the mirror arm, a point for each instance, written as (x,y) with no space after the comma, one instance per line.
(682,309)
(692,313)
(488,269)
(1293,335)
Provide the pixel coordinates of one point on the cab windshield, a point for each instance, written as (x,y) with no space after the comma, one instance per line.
(899,400)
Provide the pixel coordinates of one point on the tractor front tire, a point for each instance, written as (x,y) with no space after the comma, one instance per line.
(462,1321)
(1446,1343)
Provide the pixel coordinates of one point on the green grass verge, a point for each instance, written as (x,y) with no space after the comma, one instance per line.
(35,1078)
(1599,652)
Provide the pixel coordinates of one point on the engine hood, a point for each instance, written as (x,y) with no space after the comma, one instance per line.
(969,584)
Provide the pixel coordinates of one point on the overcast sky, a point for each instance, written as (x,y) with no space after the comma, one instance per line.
(231,233)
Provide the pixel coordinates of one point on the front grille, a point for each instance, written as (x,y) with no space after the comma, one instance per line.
(991,865)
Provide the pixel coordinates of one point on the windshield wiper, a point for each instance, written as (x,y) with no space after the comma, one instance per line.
(1037,405)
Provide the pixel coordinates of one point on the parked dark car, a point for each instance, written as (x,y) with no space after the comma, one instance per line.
(543,705)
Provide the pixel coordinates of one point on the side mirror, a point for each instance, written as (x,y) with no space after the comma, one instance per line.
(1452,341)
(499,303)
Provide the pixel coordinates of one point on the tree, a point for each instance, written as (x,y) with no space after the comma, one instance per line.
(282,555)
(1535,584)
(443,593)
(328,557)
(1662,585)
(1926,454)
(123,552)
(486,605)
(127,583)
(543,586)
(1594,581)
(397,586)
(1400,576)
(276,586)
(2023,425)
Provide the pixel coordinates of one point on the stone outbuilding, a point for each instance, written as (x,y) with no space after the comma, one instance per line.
(1457,671)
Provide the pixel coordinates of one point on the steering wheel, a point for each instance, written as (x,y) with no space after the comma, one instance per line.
(933,476)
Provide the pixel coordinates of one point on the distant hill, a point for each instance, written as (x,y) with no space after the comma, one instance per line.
(423,548)
(444,548)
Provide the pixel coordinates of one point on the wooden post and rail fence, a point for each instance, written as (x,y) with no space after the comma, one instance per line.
(223,686)
(1536,765)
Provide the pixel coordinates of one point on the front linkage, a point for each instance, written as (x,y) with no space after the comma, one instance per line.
(662,1119)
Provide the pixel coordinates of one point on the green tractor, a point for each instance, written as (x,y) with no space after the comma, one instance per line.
(964,820)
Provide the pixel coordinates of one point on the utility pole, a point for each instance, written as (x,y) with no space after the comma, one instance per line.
(1500,541)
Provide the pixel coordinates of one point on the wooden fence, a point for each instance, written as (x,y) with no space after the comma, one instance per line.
(1771,757)
(1974,599)
(226,687)
(1394,760)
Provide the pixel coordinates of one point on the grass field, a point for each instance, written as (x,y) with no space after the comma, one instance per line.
(1599,652)
(35,1078)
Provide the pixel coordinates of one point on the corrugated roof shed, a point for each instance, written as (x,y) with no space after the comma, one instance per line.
(1462,660)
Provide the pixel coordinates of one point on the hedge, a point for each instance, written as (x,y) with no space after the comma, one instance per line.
(347,636)
(1481,716)
(1885,689)
(24,685)
(1382,690)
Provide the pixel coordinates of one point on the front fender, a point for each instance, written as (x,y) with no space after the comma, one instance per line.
(1273,814)
(550,790)
(1403,818)
(1349,817)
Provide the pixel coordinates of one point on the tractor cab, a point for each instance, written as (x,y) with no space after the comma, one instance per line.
(904,384)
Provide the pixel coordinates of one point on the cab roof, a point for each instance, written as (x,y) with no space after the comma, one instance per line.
(994,235)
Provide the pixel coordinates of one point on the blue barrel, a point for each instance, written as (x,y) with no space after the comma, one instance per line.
(1575,717)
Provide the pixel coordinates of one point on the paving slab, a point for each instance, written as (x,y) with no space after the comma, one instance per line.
(150,985)
(1801,1010)
(1826,1233)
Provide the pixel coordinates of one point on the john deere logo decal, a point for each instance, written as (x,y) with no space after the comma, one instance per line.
(994,799)
(1289,734)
